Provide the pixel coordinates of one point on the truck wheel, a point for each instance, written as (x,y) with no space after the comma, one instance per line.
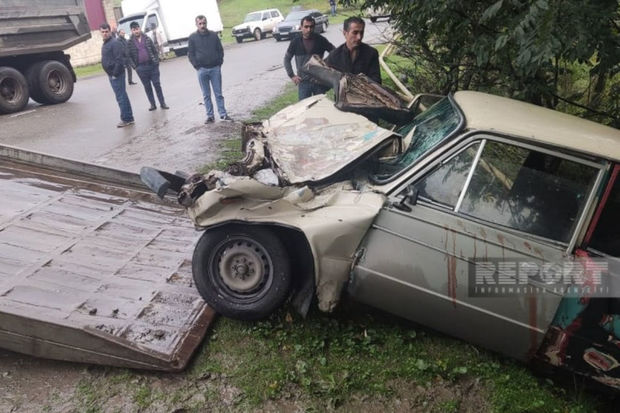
(32,77)
(239,39)
(242,272)
(257,34)
(55,82)
(13,90)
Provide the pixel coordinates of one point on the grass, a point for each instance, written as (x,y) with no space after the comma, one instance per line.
(89,70)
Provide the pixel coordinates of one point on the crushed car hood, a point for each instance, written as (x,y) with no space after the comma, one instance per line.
(312,141)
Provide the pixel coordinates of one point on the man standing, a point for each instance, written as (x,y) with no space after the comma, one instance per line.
(206,54)
(112,61)
(121,38)
(303,47)
(145,59)
(332,5)
(354,56)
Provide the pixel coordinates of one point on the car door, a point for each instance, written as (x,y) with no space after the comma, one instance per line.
(490,212)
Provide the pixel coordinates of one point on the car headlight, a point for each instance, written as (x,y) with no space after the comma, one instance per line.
(297,27)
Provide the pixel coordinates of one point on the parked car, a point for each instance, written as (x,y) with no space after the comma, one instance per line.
(291,25)
(257,24)
(486,218)
(376,13)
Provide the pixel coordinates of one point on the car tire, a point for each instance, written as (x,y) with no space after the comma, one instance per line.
(52,82)
(242,272)
(278,38)
(258,34)
(239,39)
(13,90)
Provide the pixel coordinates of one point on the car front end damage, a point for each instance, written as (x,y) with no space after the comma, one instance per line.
(297,175)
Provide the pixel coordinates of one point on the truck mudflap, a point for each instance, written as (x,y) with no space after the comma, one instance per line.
(93,267)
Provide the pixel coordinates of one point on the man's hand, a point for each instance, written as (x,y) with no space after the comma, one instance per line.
(296,79)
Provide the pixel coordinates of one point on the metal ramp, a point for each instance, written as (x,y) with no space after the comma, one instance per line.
(94,270)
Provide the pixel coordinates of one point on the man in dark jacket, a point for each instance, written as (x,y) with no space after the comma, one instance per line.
(206,54)
(145,59)
(112,61)
(354,56)
(303,47)
(121,38)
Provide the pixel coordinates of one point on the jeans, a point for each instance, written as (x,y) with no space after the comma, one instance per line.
(118,86)
(212,75)
(149,74)
(307,88)
(333,9)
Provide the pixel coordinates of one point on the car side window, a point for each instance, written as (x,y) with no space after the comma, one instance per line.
(444,184)
(606,236)
(274,14)
(527,190)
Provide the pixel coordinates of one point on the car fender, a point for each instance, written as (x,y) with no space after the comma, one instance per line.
(333,220)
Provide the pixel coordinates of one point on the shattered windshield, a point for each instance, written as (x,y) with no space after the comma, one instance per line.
(428,129)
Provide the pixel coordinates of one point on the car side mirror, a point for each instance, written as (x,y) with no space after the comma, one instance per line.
(410,197)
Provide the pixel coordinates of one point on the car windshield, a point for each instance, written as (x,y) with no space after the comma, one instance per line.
(297,15)
(428,129)
(251,17)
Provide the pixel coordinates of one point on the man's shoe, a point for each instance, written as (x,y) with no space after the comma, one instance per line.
(132,83)
(164,106)
(210,120)
(123,123)
(152,108)
(226,118)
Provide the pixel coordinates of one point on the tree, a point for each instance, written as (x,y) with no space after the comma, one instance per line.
(548,52)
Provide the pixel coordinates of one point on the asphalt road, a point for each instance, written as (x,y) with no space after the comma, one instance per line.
(84,128)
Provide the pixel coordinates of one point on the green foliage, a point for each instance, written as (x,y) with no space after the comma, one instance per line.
(528,50)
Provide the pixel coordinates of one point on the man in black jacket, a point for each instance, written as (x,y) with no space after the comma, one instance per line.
(113,63)
(303,47)
(145,59)
(206,54)
(354,56)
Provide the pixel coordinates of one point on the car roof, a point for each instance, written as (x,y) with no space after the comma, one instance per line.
(514,117)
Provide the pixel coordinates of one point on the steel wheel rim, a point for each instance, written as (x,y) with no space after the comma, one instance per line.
(9,89)
(56,82)
(242,269)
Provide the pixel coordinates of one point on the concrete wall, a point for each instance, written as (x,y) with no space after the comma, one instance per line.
(89,52)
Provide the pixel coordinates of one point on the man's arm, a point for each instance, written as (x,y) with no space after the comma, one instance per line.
(219,48)
(287,60)
(191,51)
(118,55)
(374,70)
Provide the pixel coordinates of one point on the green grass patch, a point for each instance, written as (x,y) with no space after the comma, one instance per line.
(88,70)
(330,360)
(287,97)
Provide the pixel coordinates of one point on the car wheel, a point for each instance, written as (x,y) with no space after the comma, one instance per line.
(242,272)
(278,38)
(239,39)
(257,34)
(13,90)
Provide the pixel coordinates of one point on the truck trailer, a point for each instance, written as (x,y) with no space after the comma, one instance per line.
(173,18)
(33,35)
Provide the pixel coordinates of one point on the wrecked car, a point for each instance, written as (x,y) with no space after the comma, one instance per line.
(488,219)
